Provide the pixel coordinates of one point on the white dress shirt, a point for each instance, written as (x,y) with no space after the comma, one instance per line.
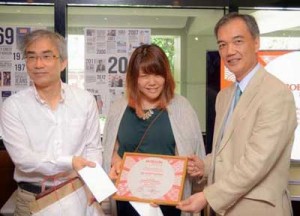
(42,142)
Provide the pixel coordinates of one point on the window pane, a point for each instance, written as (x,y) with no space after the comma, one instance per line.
(31,16)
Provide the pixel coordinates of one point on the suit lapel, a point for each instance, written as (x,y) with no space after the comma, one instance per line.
(248,95)
(224,107)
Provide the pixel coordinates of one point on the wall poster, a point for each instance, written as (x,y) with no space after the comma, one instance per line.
(13,75)
(107,53)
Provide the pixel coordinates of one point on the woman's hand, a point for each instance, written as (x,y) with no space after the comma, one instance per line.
(195,167)
(115,169)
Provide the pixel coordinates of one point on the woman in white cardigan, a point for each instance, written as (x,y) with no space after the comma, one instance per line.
(150,94)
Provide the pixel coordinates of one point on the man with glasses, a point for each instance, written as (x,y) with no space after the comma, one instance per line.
(49,129)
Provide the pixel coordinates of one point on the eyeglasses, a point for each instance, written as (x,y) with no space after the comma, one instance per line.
(46,58)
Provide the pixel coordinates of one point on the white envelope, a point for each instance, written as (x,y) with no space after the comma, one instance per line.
(98,182)
(145,209)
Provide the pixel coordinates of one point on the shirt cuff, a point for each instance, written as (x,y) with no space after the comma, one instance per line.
(66,163)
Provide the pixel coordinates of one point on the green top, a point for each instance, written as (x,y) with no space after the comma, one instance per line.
(158,140)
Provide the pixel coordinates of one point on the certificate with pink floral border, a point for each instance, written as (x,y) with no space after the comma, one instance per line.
(151,178)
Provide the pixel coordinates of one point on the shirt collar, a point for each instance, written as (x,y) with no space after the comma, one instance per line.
(40,100)
(244,82)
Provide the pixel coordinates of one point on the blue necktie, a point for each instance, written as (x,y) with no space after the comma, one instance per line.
(237,95)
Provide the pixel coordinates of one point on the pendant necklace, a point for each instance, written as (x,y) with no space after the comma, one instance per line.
(147,114)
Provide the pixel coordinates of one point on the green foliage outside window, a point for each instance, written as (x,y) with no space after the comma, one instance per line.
(167,44)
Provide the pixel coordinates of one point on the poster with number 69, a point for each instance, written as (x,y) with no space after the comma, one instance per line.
(13,74)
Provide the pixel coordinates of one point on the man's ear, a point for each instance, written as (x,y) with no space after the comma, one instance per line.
(64,64)
(257,44)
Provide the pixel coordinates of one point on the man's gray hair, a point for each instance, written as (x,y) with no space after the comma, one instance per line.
(248,19)
(56,38)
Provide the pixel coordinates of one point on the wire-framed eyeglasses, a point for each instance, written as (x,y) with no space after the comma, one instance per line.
(45,58)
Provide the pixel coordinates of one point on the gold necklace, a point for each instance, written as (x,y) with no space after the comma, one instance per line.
(147,114)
